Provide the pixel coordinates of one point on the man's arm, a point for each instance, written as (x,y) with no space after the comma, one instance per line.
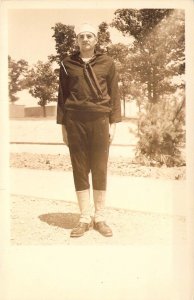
(112,130)
(113,90)
(62,96)
(64,135)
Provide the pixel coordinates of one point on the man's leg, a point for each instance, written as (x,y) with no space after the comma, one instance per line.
(99,205)
(99,160)
(83,198)
(78,147)
(99,218)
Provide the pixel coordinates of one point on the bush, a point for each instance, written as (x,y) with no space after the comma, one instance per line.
(161,133)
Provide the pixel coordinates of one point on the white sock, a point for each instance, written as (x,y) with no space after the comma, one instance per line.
(99,204)
(83,198)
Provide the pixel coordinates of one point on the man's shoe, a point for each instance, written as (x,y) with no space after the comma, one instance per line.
(103,228)
(80,229)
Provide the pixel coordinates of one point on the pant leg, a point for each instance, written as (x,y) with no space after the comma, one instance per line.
(99,151)
(79,151)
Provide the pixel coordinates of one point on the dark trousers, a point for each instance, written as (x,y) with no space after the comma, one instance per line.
(88,138)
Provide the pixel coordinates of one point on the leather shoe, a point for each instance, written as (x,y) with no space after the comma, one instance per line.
(103,228)
(80,229)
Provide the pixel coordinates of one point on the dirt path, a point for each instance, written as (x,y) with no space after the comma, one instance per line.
(37,221)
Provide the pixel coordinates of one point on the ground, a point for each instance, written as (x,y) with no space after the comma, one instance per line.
(118,165)
(40,221)
(37,221)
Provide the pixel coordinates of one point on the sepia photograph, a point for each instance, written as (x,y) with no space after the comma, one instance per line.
(97,151)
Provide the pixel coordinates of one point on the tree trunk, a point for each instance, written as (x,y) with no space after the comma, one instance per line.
(44,111)
(149,86)
(155,97)
(124,106)
(139,112)
(154,86)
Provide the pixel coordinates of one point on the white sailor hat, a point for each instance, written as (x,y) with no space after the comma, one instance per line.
(86,27)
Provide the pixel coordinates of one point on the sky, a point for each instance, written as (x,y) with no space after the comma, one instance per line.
(30,33)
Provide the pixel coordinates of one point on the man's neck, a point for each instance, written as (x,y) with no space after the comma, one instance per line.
(87,54)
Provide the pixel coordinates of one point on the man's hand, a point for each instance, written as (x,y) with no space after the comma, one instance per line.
(112,129)
(64,134)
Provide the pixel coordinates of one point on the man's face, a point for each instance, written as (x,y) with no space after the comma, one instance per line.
(86,41)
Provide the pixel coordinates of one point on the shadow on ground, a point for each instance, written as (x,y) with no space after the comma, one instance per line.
(39,221)
(62,220)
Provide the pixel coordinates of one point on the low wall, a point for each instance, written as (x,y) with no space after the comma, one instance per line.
(16,111)
(38,111)
(21,111)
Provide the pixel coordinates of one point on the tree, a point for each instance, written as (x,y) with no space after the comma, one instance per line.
(158,52)
(65,41)
(138,22)
(17,77)
(42,82)
(161,133)
(156,61)
(120,54)
(104,41)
